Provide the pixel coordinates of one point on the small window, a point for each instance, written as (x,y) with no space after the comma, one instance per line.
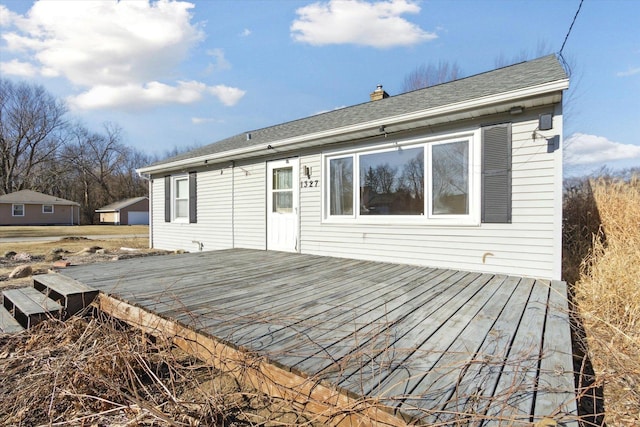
(450,178)
(341,186)
(282,190)
(48,209)
(17,210)
(181,198)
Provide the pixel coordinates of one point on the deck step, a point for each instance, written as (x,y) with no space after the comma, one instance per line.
(29,307)
(73,295)
(8,325)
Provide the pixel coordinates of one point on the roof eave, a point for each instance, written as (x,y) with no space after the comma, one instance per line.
(372,126)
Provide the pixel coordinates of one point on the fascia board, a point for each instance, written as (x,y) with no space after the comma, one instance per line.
(554,86)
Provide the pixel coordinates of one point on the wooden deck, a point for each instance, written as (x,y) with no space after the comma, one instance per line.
(432,345)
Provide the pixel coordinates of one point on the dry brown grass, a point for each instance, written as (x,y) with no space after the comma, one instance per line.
(71,230)
(98,372)
(607,296)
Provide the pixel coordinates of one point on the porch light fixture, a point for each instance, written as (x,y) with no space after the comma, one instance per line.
(545,121)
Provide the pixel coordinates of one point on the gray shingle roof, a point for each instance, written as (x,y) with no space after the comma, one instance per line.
(33,197)
(519,76)
(121,204)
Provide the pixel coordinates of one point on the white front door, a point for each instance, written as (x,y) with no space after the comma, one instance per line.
(282,205)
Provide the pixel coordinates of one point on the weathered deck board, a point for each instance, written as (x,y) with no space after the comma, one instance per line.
(8,324)
(429,342)
(553,397)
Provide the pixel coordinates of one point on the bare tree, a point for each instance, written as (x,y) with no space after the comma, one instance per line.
(97,165)
(32,129)
(429,75)
(542,49)
(386,175)
(412,178)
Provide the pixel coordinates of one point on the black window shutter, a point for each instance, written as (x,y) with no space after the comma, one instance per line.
(193,197)
(496,173)
(167,198)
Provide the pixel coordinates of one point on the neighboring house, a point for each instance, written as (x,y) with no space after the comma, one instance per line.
(134,211)
(464,175)
(28,207)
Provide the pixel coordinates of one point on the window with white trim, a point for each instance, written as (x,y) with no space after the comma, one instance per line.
(47,209)
(181,198)
(428,180)
(17,210)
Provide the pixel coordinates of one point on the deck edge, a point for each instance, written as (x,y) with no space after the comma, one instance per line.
(327,404)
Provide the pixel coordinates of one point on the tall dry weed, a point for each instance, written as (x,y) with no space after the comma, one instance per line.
(608,298)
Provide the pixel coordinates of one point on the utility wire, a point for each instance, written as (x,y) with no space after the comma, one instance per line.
(570,27)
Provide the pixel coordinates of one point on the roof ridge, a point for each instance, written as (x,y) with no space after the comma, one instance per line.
(485,84)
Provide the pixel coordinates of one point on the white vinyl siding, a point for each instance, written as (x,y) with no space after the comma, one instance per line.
(528,246)
(213,229)
(250,206)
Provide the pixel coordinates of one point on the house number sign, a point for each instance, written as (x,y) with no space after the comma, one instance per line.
(309,183)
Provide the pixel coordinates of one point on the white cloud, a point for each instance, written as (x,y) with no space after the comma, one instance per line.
(229,96)
(118,49)
(245,33)
(203,120)
(358,22)
(7,17)
(220,62)
(584,149)
(133,96)
(18,68)
(629,72)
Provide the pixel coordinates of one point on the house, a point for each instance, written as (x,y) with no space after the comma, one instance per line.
(133,211)
(464,175)
(26,207)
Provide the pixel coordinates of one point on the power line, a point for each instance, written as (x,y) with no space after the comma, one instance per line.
(570,27)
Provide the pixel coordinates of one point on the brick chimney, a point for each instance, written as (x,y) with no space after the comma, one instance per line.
(378,94)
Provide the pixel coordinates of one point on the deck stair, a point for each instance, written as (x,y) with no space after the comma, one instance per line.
(70,293)
(52,295)
(8,324)
(29,307)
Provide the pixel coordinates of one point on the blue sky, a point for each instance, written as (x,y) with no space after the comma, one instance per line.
(177,73)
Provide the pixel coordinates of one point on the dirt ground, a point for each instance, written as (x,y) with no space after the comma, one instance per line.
(76,250)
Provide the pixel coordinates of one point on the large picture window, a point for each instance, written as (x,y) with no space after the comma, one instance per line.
(427,181)
(392,182)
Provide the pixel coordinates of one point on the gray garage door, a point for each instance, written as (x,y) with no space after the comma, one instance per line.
(138,218)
